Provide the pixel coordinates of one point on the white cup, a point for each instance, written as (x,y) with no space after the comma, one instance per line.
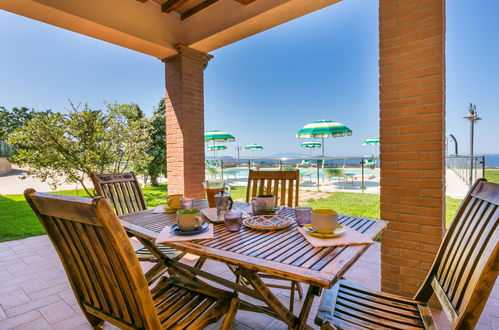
(188,219)
(324,221)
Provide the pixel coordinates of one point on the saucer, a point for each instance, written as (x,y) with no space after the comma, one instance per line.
(176,230)
(170,210)
(340,230)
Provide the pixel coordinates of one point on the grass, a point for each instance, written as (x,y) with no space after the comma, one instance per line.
(492,175)
(360,205)
(18,221)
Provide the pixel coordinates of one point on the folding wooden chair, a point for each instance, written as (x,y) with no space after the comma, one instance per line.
(284,185)
(462,277)
(124,193)
(107,279)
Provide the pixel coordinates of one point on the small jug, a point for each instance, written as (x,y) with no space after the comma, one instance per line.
(224,203)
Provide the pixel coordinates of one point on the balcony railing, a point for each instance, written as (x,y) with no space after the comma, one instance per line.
(313,171)
(467,168)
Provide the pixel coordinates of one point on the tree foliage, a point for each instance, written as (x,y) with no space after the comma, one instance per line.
(10,120)
(157,148)
(68,147)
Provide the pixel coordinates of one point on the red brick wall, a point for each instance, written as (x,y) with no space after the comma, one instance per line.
(412,133)
(185,122)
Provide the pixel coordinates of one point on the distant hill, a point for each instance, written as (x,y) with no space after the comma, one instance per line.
(289,155)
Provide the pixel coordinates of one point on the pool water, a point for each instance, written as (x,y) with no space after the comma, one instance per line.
(242,173)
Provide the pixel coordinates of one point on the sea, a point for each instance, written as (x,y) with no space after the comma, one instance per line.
(491,160)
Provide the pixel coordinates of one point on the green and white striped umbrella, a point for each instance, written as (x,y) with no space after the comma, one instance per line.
(322,129)
(310,145)
(216,148)
(253,147)
(371,141)
(218,136)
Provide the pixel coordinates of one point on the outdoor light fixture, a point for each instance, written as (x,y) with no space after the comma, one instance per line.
(472,116)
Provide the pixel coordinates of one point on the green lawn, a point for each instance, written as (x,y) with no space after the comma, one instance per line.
(18,221)
(492,175)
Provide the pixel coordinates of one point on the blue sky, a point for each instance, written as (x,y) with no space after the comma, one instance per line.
(264,88)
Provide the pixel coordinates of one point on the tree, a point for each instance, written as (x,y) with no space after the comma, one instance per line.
(69,147)
(157,149)
(16,118)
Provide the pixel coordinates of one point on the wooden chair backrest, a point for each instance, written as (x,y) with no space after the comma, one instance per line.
(122,190)
(467,263)
(98,257)
(284,185)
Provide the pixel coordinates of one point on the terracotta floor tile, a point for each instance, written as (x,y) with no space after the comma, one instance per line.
(3,316)
(33,285)
(32,305)
(50,291)
(56,312)
(58,303)
(13,298)
(20,319)
(71,322)
(37,324)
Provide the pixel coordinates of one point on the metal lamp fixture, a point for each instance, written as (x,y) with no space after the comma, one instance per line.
(472,116)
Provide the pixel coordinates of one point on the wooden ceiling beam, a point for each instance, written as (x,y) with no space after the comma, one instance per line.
(171,5)
(245,2)
(196,9)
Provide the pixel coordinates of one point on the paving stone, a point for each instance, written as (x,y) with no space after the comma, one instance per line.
(51,274)
(253,320)
(18,267)
(49,291)
(32,305)
(71,322)
(20,319)
(33,285)
(33,259)
(5,275)
(37,324)
(68,296)
(13,298)
(56,312)
(3,316)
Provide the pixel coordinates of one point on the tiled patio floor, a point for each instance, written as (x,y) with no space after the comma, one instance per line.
(35,293)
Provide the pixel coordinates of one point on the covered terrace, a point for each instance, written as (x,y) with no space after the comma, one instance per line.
(182,33)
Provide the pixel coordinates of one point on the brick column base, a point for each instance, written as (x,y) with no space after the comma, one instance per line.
(185,121)
(412,139)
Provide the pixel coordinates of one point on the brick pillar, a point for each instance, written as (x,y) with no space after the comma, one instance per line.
(412,132)
(185,121)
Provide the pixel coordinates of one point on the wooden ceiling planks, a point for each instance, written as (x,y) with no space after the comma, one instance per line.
(188,8)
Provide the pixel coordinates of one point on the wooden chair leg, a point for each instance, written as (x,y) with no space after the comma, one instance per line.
(199,264)
(292,296)
(299,289)
(231,315)
(155,272)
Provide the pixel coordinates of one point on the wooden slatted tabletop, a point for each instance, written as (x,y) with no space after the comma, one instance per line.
(285,253)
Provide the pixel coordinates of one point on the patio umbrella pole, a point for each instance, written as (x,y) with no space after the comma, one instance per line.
(323,159)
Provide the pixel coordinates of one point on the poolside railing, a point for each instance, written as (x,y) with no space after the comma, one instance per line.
(312,170)
(467,168)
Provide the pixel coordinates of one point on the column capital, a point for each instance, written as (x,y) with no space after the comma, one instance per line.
(192,53)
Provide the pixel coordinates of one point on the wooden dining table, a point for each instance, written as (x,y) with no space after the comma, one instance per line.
(284,253)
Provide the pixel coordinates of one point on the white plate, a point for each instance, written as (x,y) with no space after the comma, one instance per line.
(211,214)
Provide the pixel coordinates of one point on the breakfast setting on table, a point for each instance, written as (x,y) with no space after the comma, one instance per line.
(320,227)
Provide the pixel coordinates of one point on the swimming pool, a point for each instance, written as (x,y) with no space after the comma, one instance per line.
(242,173)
